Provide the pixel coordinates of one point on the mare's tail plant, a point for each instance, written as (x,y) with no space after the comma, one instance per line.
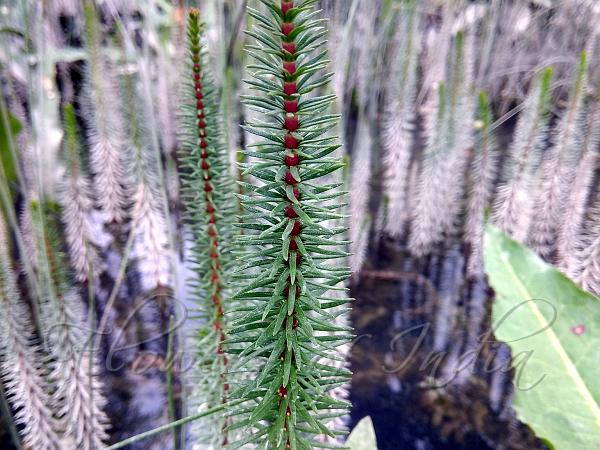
(22,366)
(514,201)
(77,391)
(573,241)
(105,133)
(481,189)
(580,236)
(559,168)
(449,138)
(283,321)
(210,206)
(398,131)
(77,203)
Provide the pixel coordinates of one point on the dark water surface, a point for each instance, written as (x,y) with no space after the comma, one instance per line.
(426,367)
(418,322)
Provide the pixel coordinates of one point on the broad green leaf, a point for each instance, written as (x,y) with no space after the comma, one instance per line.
(363,436)
(553,329)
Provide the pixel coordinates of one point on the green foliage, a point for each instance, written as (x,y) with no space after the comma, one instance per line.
(283,322)
(210,209)
(62,318)
(513,203)
(552,328)
(24,374)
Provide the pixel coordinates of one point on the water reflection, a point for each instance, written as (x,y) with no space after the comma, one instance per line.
(426,367)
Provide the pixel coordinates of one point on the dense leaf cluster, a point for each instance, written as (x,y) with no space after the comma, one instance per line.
(210,206)
(283,326)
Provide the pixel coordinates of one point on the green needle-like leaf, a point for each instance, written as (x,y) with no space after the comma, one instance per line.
(290,228)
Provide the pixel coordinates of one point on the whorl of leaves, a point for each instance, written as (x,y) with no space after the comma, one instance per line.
(77,396)
(559,168)
(398,131)
(483,174)
(283,322)
(449,138)
(21,362)
(514,201)
(77,203)
(210,207)
(571,242)
(580,224)
(105,132)
(75,373)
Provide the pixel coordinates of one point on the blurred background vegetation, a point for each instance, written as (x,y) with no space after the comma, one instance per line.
(452,112)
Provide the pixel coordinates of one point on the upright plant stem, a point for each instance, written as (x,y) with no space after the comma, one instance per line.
(213,229)
(207,174)
(169,381)
(209,206)
(290,242)
(168,426)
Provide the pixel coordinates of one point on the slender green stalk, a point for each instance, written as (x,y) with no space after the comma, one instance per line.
(169,382)
(168,426)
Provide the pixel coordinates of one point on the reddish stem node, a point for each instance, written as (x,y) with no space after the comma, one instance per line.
(289,178)
(289,67)
(290,88)
(292,160)
(287,28)
(290,106)
(289,47)
(290,212)
(286,6)
(296,228)
(290,142)
(291,122)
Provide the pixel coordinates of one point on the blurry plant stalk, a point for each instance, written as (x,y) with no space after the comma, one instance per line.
(213,234)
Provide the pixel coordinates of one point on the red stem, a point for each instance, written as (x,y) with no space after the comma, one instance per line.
(213,233)
(291,159)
